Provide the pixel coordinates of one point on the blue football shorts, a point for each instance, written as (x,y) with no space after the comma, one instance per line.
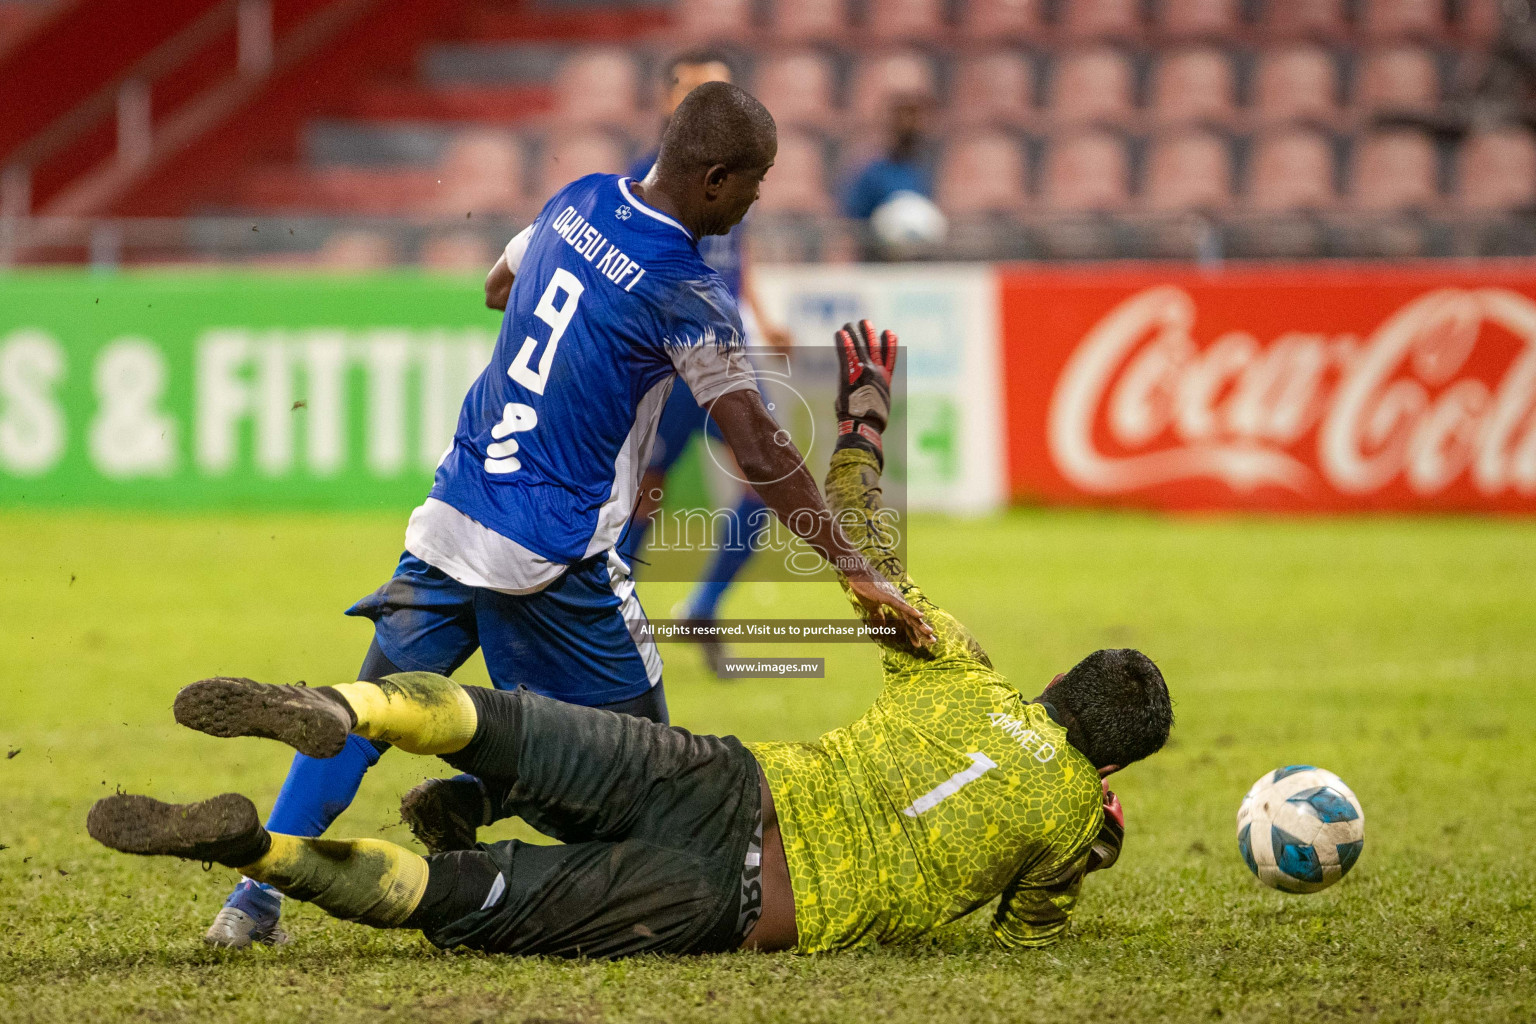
(578,640)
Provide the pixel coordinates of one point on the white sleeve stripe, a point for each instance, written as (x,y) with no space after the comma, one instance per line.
(712,370)
(517,248)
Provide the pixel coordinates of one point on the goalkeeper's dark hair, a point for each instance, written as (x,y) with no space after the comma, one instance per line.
(1116,704)
(717,123)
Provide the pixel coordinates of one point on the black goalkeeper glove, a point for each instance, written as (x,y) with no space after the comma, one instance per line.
(864,387)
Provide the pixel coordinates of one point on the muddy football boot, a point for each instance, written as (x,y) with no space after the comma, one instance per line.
(313,721)
(444,814)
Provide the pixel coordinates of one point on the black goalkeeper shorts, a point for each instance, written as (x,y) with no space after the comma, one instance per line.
(661,836)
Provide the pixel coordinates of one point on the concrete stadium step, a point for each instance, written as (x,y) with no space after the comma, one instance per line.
(483,104)
(331,141)
(490,64)
(602,21)
(362,191)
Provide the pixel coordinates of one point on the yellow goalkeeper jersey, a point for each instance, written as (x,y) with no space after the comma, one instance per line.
(950,791)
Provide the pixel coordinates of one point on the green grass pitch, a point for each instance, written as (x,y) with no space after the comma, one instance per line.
(1400,653)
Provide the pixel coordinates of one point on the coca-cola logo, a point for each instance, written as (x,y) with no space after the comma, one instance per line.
(1140,403)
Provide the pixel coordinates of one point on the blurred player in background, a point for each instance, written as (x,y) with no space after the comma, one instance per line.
(892,194)
(951,791)
(681,418)
(608,304)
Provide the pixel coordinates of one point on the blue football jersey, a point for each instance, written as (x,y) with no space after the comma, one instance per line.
(721,252)
(611,302)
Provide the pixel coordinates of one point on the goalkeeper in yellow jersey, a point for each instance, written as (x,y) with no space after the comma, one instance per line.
(950,792)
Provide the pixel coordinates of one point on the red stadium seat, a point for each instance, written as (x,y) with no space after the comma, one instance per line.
(797,182)
(1192,85)
(1403,78)
(16,18)
(1087,172)
(994,20)
(881,79)
(1296,83)
(1394,171)
(355,250)
(341,189)
(994,88)
(1292,172)
(1214,20)
(796,87)
(481,172)
(1480,21)
(1404,19)
(1497,171)
(905,19)
(1092,20)
(456,251)
(1092,85)
(1189,172)
(1304,19)
(597,87)
(804,20)
(712,19)
(570,155)
(983,173)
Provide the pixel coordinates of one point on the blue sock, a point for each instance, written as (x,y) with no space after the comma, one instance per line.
(317,791)
(729,559)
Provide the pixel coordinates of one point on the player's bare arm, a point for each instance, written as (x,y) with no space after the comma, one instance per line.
(498,283)
(772,464)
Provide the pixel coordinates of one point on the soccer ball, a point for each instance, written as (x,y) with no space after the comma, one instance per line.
(1300,829)
(908,221)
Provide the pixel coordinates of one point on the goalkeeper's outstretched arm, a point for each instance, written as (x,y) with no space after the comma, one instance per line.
(866,363)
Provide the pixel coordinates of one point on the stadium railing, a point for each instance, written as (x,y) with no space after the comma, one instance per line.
(299,242)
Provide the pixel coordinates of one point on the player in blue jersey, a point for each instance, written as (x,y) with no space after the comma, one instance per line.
(682,418)
(512,551)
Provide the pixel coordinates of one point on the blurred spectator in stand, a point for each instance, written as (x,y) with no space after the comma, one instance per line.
(904,175)
(1499,90)
(1507,89)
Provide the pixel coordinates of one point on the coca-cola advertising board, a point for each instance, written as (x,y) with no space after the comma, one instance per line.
(1318,388)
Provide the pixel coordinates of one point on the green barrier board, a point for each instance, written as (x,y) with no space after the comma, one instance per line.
(232,390)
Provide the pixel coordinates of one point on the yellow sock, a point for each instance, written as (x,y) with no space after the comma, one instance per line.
(365,880)
(419,712)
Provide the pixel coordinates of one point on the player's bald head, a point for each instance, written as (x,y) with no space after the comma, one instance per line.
(717,124)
